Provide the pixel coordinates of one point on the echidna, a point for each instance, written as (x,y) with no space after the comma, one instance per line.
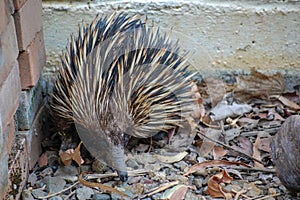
(120,77)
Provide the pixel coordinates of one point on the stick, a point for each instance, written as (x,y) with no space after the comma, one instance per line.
(229,147)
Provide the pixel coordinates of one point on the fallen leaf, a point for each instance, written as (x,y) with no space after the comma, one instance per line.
(43,160)
(218,152)
(256,153)
(214,188)
(71,154)
(258,85)
(287,102)
(215,90)
(244,145)
(160,188)
(178,192)
(199,109)
(207,145)
(265,144)
(66,156)
(212,163)
(171,159)
(224,110)
(253,191)
(77,156)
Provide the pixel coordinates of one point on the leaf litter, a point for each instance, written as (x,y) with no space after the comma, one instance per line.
(228,156)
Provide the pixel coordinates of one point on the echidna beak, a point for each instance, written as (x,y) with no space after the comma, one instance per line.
(123,175)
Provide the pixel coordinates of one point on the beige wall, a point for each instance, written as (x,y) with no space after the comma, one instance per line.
(223,35)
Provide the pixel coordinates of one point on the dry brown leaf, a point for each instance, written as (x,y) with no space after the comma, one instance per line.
(43,160)
(70,154)
(66,156)
(215,90)
(214,189)
(207,145)
(258,85)
(171,159)
(287,102)
(256,153)
(212,163)
(199,109)
(101,186)
(265,144)
(244,146)
(219,152)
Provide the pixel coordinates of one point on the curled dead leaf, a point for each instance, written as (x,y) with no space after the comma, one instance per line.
(171,159)
(69,155)
(258,85)
(215,189)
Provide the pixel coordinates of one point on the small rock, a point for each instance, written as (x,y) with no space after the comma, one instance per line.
(46,172)
(85,168)
(68,173)
(99,167)
(55,184)
(198,182)
(26,195)
(32,179)
(56,198)
(37,193)
(191,157)
(132,164)
(99,196)
(181,165)
(84,193)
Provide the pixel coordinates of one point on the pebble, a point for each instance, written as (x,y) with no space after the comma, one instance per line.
(181,165)
(39,193)
(55,184)
(32,179)
(132,164)
(84,193)
(68,173)
(98,196)
(56,198)
(191,156)
(198,182)
(26,195)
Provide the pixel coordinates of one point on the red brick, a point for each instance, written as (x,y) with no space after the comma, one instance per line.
(28,22)
(32,61)
(10,91)
(18,4)
(8,50)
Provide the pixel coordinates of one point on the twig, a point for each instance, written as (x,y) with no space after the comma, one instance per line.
(229,147)
(69,195)
(160,188)
(130,173)
(265,197)
(57,193)
(253,169)
(238,193)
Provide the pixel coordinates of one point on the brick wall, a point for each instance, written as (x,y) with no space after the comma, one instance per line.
(22,57)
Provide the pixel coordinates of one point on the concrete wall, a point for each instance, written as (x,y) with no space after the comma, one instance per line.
(223,36)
